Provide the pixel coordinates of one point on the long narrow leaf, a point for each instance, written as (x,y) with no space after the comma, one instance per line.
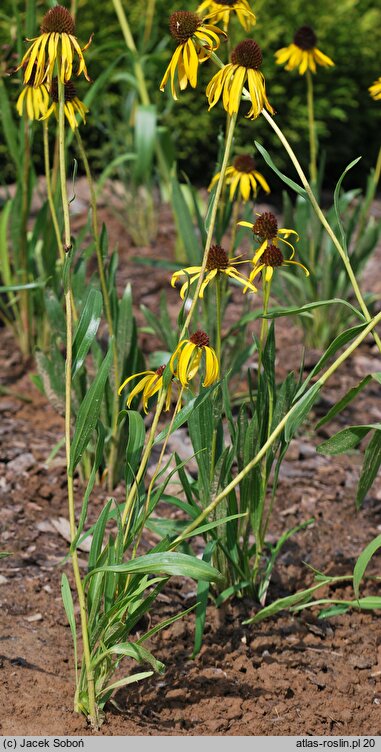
(87,328)
(165,563)
(291,183)
(88,413)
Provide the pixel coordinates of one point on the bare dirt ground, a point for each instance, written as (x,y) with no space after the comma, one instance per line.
(294,674)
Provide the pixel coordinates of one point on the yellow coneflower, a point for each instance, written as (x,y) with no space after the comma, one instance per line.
(218,263)
(73,104)
(195,38)
(266,229)
(303,53)
(56,41)
(220,10)
(150,384)
(186,360)
(270,258)
(375,89)
(243,175)
(33,100)
(246,60)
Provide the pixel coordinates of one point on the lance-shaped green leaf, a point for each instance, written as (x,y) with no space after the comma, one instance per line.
(304,310)
(372,462)
(145,141)
(181,565)
(363,561)
(69,609)
(337,203)
(291,183)
(300,410)
(187,411)
(291,600)
(344,401)
(88,413)
(339,341)
(87,328)
(347,439)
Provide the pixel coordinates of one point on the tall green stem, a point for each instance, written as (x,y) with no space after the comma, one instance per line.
(274,435)
(126,516)
(25,334)
(68,368)
(49,191)
(311,127)
(323,221)
(107,305)
(212,221)
(264,324)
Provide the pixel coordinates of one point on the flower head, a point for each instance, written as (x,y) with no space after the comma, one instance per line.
(243,175)
(220,10)
(246,60)
(195,38)
(33,100)
(269,259)
(375,89)
(57,42)
(73,104)
(218,262)
(186,360)
(150,384)
(266,230)
(303,53)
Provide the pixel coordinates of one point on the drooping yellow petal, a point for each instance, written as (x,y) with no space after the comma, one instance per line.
(260,251)
(206,281)
(269,273)
(134,376)
(137,389)
(321,58)
(211,366)
(262,181)
(185,358)
(297,263)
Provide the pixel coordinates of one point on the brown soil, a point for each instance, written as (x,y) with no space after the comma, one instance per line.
(293,674)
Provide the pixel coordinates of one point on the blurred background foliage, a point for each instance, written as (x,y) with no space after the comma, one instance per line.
(348,120)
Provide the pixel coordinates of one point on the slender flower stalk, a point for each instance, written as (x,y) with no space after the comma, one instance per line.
(107,305)
(311,127)
(274,435)
(264,324)
(25,333)
(130,499)
(93,714)
(323,220)
(49,191)
(156,473)
(212,221)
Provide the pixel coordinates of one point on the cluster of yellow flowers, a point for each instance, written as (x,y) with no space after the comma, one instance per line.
(50,58)
(198,37)
(53,50)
